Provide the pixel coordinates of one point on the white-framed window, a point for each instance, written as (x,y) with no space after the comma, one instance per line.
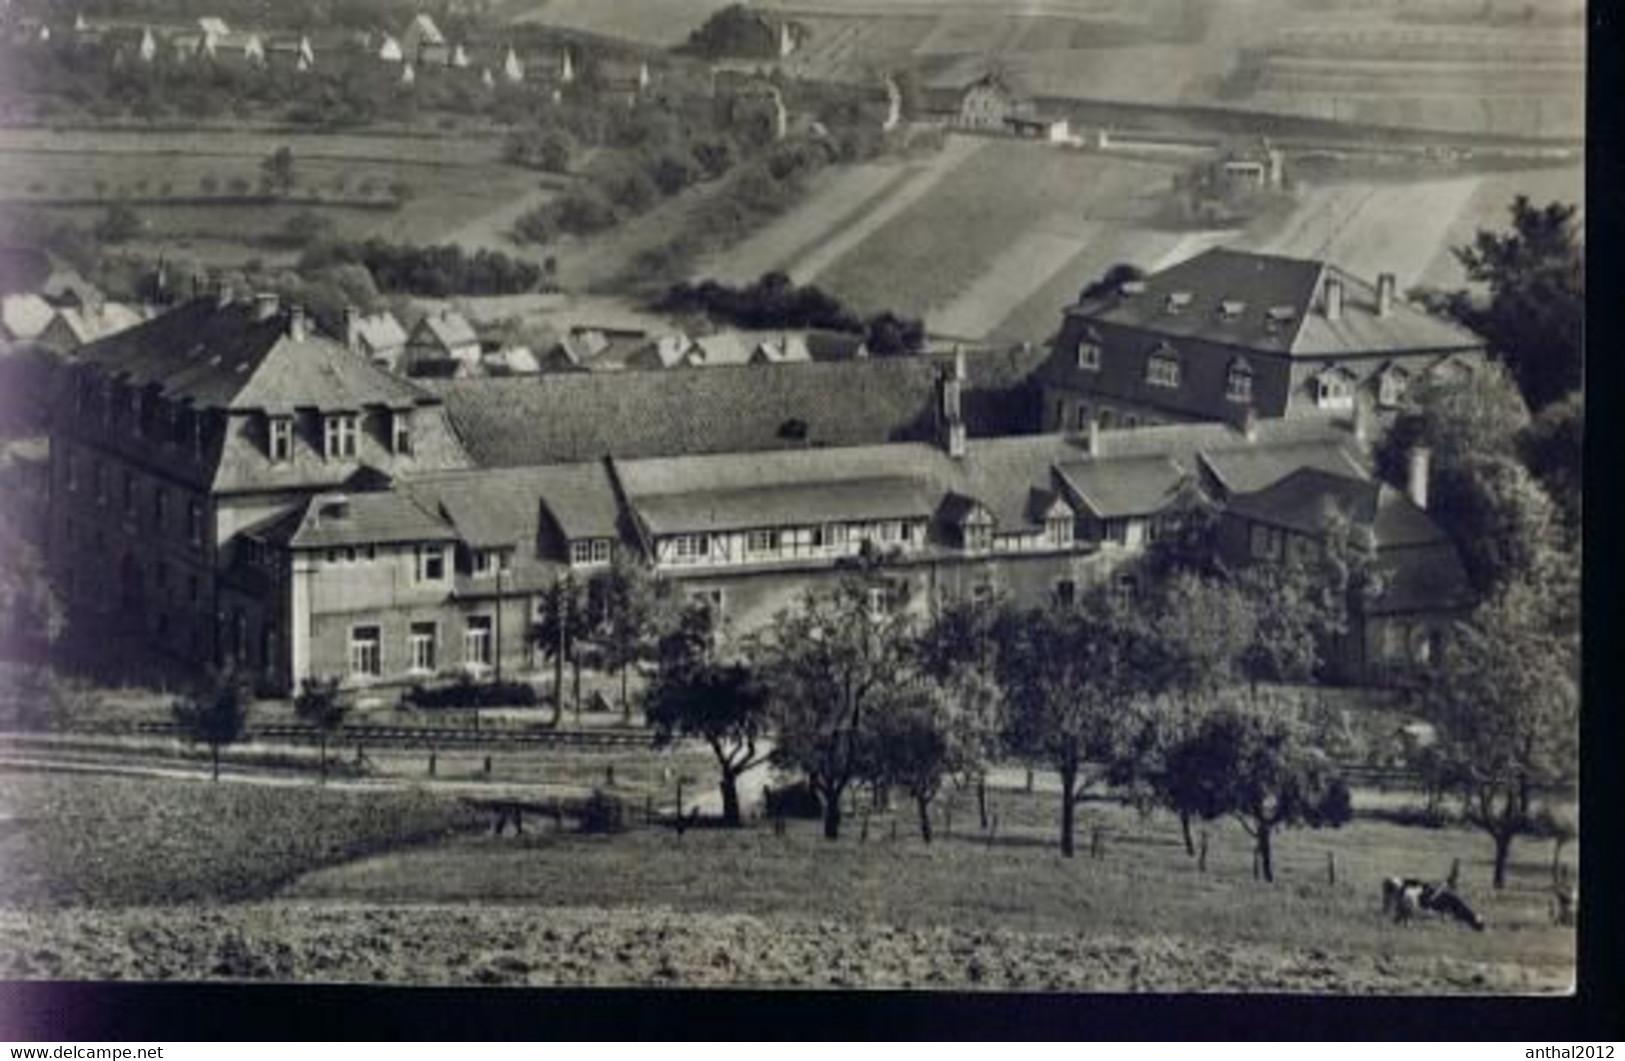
(691,548)
(1162,369)
(1089,354)
(1238,383)
(430,563)
(762,541)
(978,537)
(477,641)
(1334,391)
(280,436)
(366,651)
(831,536)
(590,552)
(339,435)
(400,432)
(1391,388)
(891,531)
(488,562)
(194,523)
(1058,531)
(422,644)
(346,556)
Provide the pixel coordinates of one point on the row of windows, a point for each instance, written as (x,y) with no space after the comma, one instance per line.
(340,436)
(102,478)
(119,404)
(422,647)
(1163,369)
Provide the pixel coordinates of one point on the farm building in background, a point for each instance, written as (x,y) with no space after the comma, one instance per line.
(991,102)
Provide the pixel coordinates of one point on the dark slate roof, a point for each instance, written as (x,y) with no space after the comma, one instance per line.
(493,507)
(1262,284)
(1112,489)
(1304,500)
(784,504)
(1421,578)
(376,518)
(223,357)
(561,418)
(1243,471)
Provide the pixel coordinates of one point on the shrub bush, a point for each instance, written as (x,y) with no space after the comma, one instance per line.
(795,800)
(466,692)
(603,812)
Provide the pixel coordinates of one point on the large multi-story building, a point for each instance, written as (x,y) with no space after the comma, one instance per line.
(1228,332)
(231,489)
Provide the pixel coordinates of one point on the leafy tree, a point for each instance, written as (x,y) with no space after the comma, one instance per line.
(319,704)
(1502,522)
(216,715)
(1505,703)
(627,599)
(830,664)
(1258,766)
(277,170)
(1069,676)
(913,744)
(723,705)
(1534,318)
(1200,630)
(1455,418)
(1295,614)
(958,651)
(1114,278)
(562,622)
(1552,447)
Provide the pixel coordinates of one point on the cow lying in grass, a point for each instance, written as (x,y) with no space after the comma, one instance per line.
(1407,897)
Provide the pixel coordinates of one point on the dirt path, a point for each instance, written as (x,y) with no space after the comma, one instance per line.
(574,946)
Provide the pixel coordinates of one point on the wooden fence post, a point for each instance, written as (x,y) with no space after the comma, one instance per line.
(1331,868)
(1201,858)
(431,762)
(487,766)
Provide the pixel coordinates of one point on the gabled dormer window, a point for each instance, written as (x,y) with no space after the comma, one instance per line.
(1238,382)
(281,439)
(339,435)
(1058,531)
(1334,390)
(1162,367)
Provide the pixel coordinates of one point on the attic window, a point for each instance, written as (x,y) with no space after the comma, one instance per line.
(1333,390)
(1231,308)
(339,436)
(1089,352)
(1238,383)
(1130,288)
(1178,300)
(1281,315)
(400,423)
(1162,368)
(281,439)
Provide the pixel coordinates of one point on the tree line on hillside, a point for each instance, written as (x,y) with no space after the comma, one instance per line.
(773,301)
(432,272)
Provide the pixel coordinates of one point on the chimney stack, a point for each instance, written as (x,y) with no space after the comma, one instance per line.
(296,323)
(266,304)
(1091,436)
(1385,293)
(1334,299)
(1418,471)
(1249,424)
(352,336)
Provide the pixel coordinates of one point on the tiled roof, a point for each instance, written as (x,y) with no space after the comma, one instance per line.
(380,331)
(449,329)
(783,504)
(1279,308)
(1307,498)
(501,506)
(375,518)
(24,317)
(581,416)
(1115,488)
(225,357)
(1243,471)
